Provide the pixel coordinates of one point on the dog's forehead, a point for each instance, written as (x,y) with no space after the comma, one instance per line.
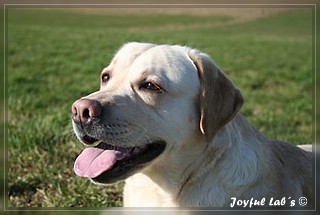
(129,52)
(171,62)
(170,65)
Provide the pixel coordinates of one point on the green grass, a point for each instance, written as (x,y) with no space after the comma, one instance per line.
(55,57)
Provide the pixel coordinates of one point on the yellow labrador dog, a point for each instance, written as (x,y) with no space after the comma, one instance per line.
(167,120)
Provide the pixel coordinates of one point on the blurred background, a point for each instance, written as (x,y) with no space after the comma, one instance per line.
(55,56)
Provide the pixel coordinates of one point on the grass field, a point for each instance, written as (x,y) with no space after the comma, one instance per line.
(55,57)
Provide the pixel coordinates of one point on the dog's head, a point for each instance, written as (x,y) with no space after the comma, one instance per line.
(152,100)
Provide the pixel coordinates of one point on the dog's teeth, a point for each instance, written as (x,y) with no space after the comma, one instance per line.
(120,155)
(136,149)
(96,143)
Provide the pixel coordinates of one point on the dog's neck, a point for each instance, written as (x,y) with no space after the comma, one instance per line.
(236,138)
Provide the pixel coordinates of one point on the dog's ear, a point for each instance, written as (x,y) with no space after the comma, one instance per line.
(220,101)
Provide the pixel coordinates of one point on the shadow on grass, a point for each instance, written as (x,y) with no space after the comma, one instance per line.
(24,188)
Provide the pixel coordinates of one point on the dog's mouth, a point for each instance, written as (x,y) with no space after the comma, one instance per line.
(106,163)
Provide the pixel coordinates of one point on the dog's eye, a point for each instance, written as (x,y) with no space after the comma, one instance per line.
(151,87)
(105,77)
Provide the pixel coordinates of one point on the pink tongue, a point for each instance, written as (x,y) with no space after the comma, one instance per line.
(94,161)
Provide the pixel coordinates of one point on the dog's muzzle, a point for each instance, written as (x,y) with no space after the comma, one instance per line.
(107,163)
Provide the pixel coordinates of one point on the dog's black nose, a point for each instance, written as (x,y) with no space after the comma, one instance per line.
(84,110)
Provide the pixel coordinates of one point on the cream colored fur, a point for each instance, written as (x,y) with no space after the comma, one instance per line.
(213,153)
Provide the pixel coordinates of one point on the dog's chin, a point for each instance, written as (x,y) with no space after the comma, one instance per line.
(126,161)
